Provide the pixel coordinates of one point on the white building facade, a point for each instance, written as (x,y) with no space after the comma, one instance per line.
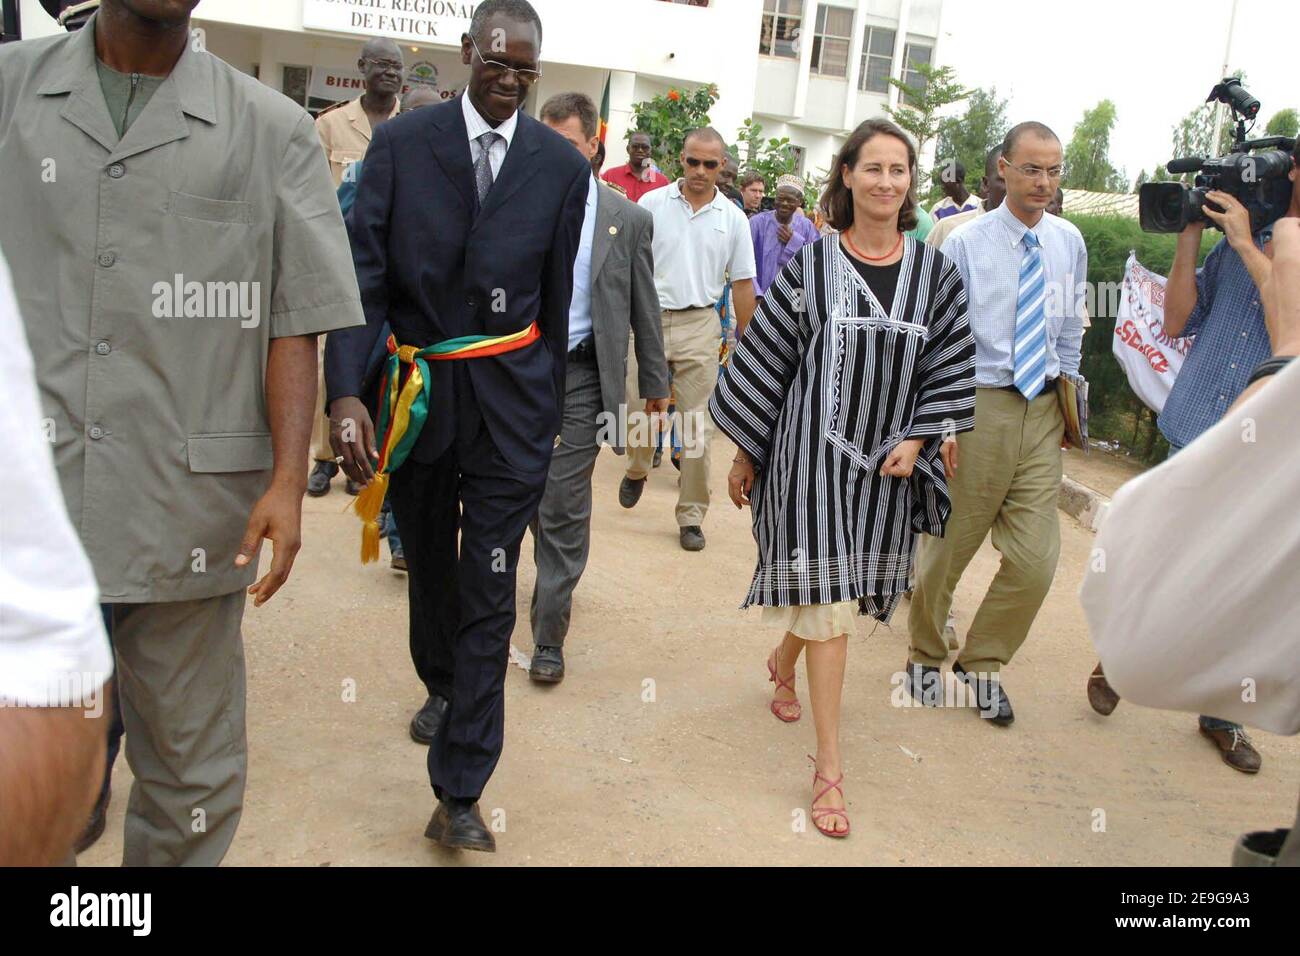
(807,69)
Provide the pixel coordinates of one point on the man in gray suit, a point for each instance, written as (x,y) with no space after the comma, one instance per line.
(613,296)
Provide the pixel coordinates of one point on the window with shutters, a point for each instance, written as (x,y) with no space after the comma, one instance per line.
(877,59)
(914,54)
(830,52)
(781,28)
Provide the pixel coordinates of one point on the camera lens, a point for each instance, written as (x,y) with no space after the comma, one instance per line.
(1163,207)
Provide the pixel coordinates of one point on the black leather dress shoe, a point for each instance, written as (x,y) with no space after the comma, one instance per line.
(318,482)
(547,666)
(457,825)
(925,684)
(428,719)
(629,491)
(991,700)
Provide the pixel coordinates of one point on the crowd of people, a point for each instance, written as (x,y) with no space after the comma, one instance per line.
(454,305)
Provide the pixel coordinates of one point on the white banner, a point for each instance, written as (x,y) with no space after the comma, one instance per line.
(1149,356)
(420,21)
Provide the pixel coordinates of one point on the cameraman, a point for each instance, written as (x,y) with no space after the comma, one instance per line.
(1222,304)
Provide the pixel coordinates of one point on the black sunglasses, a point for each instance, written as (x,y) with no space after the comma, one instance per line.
(710,164)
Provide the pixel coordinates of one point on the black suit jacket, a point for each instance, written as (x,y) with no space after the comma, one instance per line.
(435,266)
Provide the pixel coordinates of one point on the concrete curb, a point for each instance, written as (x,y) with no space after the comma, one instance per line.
(1082,503)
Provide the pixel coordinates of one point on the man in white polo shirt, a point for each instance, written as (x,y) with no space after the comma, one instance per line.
(701,241)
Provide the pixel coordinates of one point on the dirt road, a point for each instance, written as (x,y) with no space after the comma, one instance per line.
(658,748)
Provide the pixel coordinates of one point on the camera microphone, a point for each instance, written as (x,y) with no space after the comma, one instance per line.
(1188,164)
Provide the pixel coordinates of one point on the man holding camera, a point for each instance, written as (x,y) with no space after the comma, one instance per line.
(1223,305)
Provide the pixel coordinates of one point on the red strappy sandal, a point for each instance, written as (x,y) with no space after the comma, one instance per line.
(820,813)
(785,710)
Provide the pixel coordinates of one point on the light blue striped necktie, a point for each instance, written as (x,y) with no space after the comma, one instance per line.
(1031,322)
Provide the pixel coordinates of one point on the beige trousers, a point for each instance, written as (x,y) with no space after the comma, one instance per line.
(1008,480)
(691,342)
(180,673)
(320,429)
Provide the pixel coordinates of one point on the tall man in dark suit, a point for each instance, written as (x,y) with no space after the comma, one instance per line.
(466,223)
(613,297)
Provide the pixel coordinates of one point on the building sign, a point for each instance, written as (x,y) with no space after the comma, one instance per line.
(421,21)
(335,84)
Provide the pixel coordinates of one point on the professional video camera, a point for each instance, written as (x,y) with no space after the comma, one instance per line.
(1254,172)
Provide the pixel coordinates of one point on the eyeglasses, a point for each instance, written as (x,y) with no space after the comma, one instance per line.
(709,164)
(526,77)
(1033,172)
(388,65)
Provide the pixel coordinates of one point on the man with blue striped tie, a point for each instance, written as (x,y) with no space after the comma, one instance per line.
(1025,272)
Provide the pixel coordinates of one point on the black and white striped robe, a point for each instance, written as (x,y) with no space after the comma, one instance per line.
(821,388)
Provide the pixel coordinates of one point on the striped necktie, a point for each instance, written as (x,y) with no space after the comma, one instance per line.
(1031,322)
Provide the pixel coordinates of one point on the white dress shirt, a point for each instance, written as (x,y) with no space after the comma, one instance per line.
(694,251)
(476,126)
(580,326)
(53,650)
(988,251)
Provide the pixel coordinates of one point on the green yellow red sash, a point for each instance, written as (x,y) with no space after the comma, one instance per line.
(404,408)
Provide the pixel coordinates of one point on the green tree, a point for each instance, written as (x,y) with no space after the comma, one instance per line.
(668,118)
(1087,158)
(1194,134)
(919,108)
(969,137)
(813,187)
(1284,123)
(772,158)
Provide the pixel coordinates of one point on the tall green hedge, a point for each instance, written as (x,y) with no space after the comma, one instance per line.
(1117,414)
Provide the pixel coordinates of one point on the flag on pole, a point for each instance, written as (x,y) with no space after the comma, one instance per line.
(604,110)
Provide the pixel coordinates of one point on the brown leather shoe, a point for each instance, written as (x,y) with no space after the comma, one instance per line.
(1238,752)
(1101,695)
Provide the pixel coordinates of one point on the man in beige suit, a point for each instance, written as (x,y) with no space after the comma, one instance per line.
(345,136)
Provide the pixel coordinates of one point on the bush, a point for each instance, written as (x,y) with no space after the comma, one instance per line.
(668,118)
(1117,414)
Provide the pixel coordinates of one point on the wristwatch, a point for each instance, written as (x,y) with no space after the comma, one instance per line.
(1270,366)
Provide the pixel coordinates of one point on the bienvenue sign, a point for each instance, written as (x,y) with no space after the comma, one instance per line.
(422,21)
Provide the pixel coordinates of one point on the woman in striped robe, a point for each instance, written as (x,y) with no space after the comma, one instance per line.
(844,398)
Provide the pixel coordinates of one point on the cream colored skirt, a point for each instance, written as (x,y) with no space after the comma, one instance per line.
(814,622)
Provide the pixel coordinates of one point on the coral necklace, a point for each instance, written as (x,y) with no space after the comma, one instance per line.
(862,255)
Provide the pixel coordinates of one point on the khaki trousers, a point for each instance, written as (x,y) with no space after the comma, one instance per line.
(180,673)
(1008,480)
(691,342)
(320,429)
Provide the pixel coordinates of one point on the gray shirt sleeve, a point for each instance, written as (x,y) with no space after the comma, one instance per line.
(314,286)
